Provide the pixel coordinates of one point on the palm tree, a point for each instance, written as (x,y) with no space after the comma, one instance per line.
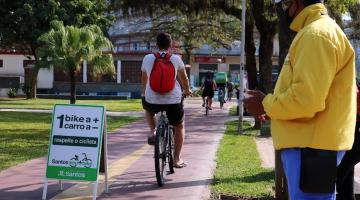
(66,47)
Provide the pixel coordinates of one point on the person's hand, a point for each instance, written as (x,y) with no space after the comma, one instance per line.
(253,102)
(263,118)
(187,92)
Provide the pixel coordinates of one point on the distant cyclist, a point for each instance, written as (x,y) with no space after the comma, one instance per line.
(221,80)
(162,91)
(230,89)
(208,87)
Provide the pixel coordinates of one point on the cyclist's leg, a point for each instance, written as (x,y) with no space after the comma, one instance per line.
(210,97)
(175,114)
(203,95)
(150,111)
(223,94)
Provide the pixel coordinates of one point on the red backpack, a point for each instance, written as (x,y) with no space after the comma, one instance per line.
(162,76)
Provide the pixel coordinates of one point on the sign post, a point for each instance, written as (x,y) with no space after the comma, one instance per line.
(242,64)
(77,140)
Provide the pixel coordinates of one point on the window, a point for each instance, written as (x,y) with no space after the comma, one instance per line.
(1,63)
(131,71)
(136,46)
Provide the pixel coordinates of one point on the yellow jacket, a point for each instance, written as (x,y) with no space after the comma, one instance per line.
(314,101)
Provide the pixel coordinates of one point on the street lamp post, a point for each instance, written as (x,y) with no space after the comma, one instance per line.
(242,63)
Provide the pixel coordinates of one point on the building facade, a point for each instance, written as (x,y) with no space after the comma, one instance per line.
(131,41)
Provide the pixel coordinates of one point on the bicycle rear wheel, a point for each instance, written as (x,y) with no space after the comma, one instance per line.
(207,106)
(160,155)
(170,151)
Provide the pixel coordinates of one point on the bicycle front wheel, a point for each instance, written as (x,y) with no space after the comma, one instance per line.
(170,151)
(207,106)
(160,156)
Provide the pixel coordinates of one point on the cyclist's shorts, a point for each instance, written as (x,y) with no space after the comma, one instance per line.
(174,112)
(208,93)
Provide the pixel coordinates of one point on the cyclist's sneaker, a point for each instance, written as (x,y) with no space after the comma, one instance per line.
(210,108)
(151,140)
(203,105)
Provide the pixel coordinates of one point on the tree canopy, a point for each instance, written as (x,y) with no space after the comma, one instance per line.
(66,47)
(23,21)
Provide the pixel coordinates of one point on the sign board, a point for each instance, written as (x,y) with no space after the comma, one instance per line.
(75,142)
(207,59)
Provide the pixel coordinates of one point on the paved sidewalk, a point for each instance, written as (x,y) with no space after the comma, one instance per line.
(132,166)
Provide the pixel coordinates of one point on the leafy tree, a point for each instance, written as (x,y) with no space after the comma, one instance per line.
(261,12)
(354,11)
(194,30)
(66,47)
(23,21)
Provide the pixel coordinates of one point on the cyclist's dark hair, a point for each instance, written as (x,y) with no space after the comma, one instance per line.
(163,40)
(310,2)
(208,76)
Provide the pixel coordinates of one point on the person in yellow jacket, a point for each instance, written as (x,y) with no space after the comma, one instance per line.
(313,106)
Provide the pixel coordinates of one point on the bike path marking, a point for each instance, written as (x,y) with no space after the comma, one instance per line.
(82,191)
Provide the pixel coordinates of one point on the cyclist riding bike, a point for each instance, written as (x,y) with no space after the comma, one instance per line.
(221,80)
(156,98)
(208,87)
(230,89)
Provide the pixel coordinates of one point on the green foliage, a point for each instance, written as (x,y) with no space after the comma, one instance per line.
(12,92)
(23,21)
(196,93)
(338,7)
(354,11)
(194,30)
(66,47)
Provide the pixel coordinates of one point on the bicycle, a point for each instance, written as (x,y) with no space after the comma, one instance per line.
(85,162)
(206,106)
(164,147)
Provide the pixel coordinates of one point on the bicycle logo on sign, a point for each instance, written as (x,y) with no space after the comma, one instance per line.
(85,162)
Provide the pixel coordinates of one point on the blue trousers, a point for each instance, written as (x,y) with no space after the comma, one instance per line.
(291,160)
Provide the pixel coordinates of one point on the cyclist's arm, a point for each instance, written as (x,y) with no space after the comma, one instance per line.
(143,82)
(184,81)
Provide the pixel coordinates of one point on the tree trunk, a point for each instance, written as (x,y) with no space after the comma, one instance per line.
(264,22)
(250,52)
(286,36)
(265,61)
(187,56)
(33,82)
(35,72)
(72,86)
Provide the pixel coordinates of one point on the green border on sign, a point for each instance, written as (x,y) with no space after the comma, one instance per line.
(70,173)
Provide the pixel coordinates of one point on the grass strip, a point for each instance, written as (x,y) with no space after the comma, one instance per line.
(239,171)
(111,105)
(25,136)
